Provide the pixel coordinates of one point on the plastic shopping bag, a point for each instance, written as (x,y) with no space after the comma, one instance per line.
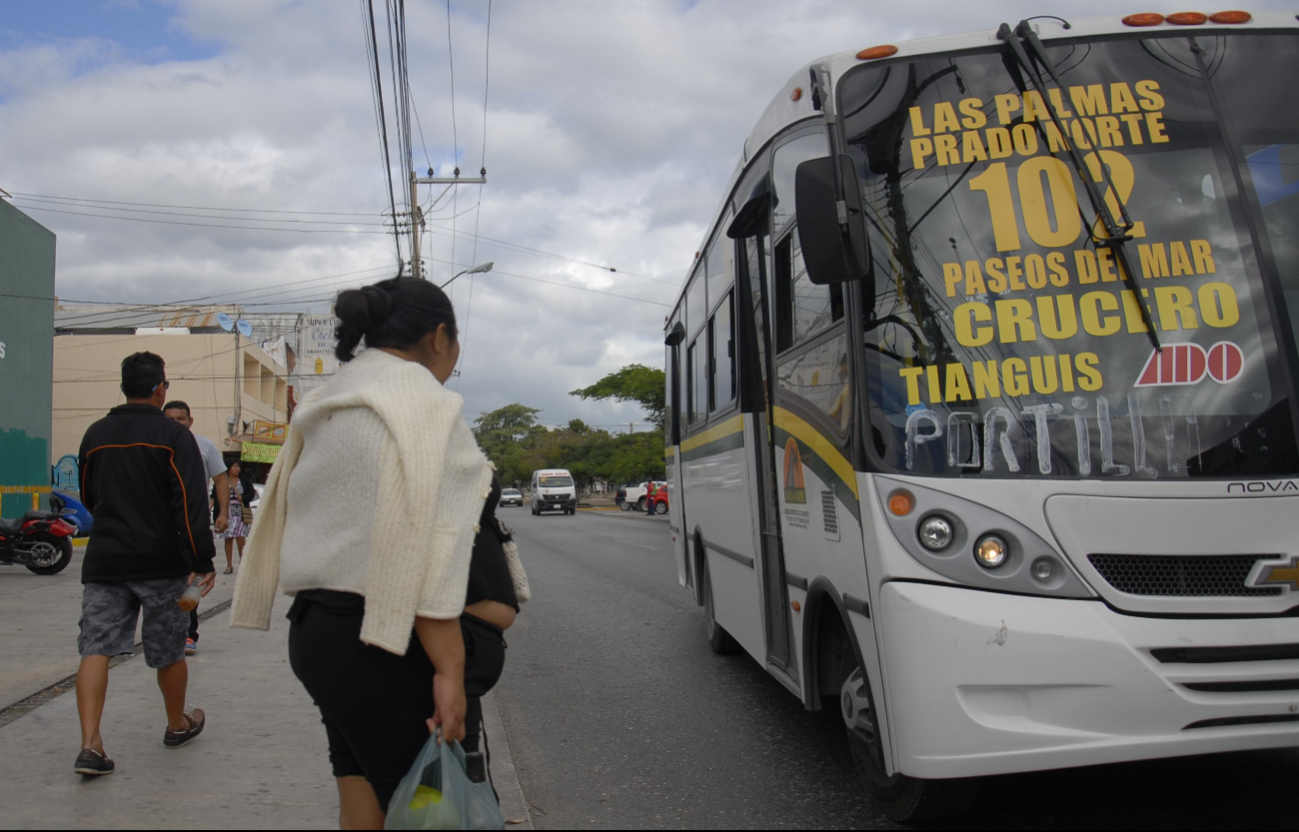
(483,809)
(437,794)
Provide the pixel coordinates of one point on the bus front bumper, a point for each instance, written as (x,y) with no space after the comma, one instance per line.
(984,683)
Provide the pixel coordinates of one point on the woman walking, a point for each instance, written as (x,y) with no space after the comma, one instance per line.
(236,528)
(376,622)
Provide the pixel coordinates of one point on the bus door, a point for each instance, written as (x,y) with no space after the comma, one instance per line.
(672,457)
(756,347)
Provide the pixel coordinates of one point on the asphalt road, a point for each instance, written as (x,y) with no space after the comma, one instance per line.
(619,716)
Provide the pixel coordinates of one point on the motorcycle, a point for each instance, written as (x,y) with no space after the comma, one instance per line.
(39,540)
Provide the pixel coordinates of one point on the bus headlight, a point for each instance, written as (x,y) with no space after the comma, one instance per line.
(991,551)
(936,533)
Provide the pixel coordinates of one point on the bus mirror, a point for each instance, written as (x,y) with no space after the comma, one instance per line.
(833,241)
(749,220)
(675,335)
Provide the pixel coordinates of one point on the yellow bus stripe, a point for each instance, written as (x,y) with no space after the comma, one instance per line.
(725,429)
(813,439)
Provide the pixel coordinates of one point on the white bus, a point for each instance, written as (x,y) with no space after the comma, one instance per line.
(982,398)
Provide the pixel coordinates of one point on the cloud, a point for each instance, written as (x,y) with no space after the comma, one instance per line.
(611,130)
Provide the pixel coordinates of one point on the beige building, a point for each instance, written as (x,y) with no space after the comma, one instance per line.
(237,392)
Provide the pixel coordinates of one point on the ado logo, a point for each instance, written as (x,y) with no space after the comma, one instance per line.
(1178,364)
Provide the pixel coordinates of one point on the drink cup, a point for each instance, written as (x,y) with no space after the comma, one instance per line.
(189,600)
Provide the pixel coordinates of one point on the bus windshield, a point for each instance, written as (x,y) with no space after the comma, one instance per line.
(1002,340)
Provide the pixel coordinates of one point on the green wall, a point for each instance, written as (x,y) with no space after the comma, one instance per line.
(27,365)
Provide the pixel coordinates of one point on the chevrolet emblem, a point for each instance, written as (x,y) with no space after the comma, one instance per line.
(1284,572)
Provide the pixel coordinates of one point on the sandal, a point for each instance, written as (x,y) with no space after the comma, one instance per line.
(230,570)
(175,739)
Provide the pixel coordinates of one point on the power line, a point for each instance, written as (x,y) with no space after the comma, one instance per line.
(368,8)
(469,307)
(206,224)
(201,216)
(217,299)
(455,138)
(75,199)
(491,242)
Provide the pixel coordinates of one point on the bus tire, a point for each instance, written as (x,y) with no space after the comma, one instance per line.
(721,642)
(903,799)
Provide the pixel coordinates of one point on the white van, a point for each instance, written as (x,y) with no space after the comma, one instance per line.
(553,490)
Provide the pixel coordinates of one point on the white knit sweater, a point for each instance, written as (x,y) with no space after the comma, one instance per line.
(432,482)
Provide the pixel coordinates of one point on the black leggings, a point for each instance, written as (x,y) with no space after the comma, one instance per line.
(373,703)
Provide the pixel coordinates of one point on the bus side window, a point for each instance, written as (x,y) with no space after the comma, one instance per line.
(697,386)
(803,309)
(722,359)
(785,162)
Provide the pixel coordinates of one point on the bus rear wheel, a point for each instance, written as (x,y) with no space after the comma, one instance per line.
(902,798)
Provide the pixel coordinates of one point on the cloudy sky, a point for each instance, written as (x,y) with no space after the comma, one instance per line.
(610,130)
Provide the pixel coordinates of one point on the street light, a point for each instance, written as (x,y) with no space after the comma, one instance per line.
(479,269)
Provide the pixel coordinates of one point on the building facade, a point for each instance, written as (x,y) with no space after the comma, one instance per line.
(26,359)
(238,392)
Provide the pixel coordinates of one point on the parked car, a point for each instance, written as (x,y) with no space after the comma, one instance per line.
(633,496)
(511,497)
(661,499)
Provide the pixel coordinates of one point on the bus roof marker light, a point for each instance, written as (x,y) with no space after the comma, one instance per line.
(1143,19)
(1233,17)
(797,94)
(991,551)
(901,503)
(887,50)
(1187,19)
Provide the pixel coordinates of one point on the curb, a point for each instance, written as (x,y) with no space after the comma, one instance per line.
(504,774)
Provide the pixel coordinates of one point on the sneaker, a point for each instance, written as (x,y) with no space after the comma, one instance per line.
(191,647)
(92,763)
(175,739)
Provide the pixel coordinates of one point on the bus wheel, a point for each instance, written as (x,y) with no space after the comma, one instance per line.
(721,642)
(902,798)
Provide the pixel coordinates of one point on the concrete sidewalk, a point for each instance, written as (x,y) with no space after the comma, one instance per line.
(261,763)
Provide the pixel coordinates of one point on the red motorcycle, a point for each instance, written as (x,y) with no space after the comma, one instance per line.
(39,540)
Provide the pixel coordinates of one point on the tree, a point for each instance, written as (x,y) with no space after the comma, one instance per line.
(506,435)
(634,383)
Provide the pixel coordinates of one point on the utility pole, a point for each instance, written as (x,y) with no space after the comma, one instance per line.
(414,225)
(632,426)
(417,216)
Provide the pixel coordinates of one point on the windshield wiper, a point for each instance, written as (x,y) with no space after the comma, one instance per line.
(1117,232)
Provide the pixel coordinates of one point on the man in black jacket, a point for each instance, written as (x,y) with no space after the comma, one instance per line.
(142,477)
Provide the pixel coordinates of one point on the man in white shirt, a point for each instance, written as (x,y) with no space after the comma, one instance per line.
(215,466)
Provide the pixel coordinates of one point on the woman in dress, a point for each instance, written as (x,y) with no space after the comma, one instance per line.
(369,518)
(236,529)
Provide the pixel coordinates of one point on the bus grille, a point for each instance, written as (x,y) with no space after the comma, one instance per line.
(1180,575)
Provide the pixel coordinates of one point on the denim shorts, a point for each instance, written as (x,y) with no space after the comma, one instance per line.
(109,612)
